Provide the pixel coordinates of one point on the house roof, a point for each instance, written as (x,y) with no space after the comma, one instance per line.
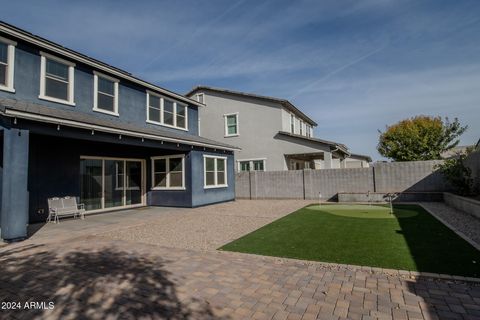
(287,104)
(37,112)
(361,156)
(339,146)
(76,56)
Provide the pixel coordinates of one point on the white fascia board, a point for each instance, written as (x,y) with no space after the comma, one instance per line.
(96,65)
(76,124)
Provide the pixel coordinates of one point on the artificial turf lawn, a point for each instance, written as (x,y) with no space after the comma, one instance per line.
(410,239)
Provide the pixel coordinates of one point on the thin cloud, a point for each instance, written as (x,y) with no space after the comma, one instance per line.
(336,71)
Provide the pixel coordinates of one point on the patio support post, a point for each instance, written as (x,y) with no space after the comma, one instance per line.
(327,160)
(14,202)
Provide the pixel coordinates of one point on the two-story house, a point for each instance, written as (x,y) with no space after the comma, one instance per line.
(273,134)
(74,126)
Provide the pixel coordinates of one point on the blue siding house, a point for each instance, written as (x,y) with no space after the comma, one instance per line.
(71,125)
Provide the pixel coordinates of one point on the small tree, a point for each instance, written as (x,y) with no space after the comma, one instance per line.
(458,174)
(419,138)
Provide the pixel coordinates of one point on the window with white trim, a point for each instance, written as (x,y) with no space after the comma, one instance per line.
(258,165)
(231,125)
(168,172)
(244,166)
(308,130)
(251,165)
(215,171)
(56,79)
(201,97)
(119,175)
(105,92)
(166,112)
(301,127)
(292,123)
(7,59)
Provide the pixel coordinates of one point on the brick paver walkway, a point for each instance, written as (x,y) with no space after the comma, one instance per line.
(89,275)
(92,277)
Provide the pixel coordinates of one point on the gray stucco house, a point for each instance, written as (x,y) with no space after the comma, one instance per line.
(273,134)
(71,125)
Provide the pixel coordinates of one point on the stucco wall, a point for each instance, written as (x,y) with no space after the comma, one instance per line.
(259,124)
(132,97)
(202,196)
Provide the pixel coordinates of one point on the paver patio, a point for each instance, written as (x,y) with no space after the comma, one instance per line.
(92,276)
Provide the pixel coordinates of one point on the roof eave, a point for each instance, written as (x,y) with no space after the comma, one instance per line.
(283,102)
(333,145)
(74,55)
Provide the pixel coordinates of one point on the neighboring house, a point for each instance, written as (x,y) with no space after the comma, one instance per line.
(456,151)
(358,161)
(74,126)
(272,133)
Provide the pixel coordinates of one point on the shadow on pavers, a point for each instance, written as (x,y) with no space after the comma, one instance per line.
(92,283)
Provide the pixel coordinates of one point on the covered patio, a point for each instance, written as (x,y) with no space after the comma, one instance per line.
(106,165)
(316,160)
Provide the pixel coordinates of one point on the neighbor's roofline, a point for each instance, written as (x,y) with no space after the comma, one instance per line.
(368,158)
(284,102)
(337,146)
(72,54)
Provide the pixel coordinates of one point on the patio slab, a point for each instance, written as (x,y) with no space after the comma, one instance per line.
(86,272)
(96,278)
(202,228)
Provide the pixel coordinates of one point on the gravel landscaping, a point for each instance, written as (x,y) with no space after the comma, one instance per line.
(210,227)
(461,221)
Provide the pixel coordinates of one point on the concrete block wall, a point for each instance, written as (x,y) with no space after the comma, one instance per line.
(277,184)
(242,185)
(330,182)
(383,197)
(467,205)
(412,176)
(417,176)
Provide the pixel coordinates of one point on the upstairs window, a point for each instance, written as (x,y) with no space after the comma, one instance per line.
(181,116)
(168,172)
(308,130)
(154,109)
(215,174)
(105,97)
(166,112)
(201,97)
(56,79)
(301,127)
(231,125)
(292,123)
(7,58)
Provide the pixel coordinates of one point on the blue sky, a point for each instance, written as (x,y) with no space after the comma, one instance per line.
(353,66)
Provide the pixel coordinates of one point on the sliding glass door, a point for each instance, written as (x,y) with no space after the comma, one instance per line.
(113,187)
(91,183)
(134,182)
(111,183)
